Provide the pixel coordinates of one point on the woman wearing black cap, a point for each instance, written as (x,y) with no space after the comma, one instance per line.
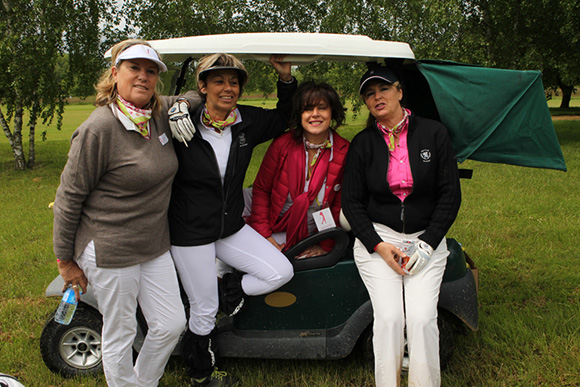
(401,195)
(205,214)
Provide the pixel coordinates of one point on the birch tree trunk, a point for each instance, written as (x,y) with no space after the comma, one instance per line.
(15,138)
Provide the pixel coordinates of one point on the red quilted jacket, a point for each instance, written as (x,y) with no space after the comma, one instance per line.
(270,188)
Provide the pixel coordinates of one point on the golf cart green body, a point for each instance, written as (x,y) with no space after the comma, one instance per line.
(324,311)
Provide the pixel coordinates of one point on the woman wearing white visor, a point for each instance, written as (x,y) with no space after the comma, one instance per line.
(110,215)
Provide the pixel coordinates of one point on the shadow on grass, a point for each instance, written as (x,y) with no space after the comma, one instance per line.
(573,111)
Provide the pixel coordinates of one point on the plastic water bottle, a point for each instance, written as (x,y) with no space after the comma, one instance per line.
(67,307)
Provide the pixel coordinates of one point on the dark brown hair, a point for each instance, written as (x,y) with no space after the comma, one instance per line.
(310,94)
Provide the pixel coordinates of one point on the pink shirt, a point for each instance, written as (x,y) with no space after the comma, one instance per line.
(399,175)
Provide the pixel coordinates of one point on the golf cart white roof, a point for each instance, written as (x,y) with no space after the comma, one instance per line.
(300,48)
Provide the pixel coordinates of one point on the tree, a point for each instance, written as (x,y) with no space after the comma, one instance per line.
(47,49)
(527,34)
(420,22)
(155,19)
(516,34)
(558,45)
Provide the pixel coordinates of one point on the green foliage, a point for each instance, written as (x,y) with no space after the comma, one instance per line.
(48,49)
(515,34)
(41,39)
(529,34)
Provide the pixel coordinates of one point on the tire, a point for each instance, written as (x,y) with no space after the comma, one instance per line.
(366,339)
(446,342)
(368,351)
(446,325)
(74,349)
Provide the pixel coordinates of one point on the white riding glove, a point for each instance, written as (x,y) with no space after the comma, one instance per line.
(418,255)
(179,121)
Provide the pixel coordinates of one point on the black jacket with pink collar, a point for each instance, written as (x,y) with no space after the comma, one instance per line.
(431,206)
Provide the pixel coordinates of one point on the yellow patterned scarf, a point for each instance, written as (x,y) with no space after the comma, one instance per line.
(395,130)
(140,117)
(218,125)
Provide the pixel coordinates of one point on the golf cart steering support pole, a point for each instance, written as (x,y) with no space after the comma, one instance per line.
(181,79)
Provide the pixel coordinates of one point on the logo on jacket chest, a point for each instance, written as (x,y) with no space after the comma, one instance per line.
(425,155)
(242,140)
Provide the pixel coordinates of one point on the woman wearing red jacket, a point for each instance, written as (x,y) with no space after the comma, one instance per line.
(302,171)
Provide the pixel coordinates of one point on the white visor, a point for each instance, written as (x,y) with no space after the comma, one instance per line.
(140,51)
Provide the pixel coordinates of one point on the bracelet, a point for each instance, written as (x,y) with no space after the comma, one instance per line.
(287,82)
(183,99)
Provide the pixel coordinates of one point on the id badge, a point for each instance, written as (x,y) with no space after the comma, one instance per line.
(163,139)
(324,219)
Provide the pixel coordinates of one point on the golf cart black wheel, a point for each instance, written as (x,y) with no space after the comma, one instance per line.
(366,339)
(445,323)
(74,349)
(368,351)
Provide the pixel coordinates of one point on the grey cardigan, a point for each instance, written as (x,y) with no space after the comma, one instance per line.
(115,190)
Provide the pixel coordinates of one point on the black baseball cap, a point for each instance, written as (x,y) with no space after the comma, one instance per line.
(380,72)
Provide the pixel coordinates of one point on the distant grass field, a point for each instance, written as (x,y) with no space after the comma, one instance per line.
(520,225)
(574,101)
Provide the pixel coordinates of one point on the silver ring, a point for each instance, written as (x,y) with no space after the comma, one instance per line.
(75,286)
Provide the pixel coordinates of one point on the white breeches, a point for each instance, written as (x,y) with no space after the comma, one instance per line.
(266,269)
(399,301)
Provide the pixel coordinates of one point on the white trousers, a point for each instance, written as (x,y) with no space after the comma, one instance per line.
(153,285)
(403,300)
(266,269)
(279,237)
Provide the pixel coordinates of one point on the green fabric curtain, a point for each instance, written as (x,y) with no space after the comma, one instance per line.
(494,115)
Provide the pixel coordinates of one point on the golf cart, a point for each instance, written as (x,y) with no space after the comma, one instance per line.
(324,311)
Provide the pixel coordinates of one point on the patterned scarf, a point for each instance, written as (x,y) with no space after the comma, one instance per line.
(218,125)
(295,219)
(140,117)
(320,148)
(395,130)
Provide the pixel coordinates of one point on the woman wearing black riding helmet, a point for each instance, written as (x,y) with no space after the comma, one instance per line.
(205,214)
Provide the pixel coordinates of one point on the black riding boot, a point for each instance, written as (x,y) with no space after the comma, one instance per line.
(232,298)
(199,353)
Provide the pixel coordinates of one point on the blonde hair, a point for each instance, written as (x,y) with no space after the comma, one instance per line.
(220,60)
(107,87)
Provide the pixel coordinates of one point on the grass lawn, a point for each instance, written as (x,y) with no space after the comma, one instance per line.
(554,103)
(520,225)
